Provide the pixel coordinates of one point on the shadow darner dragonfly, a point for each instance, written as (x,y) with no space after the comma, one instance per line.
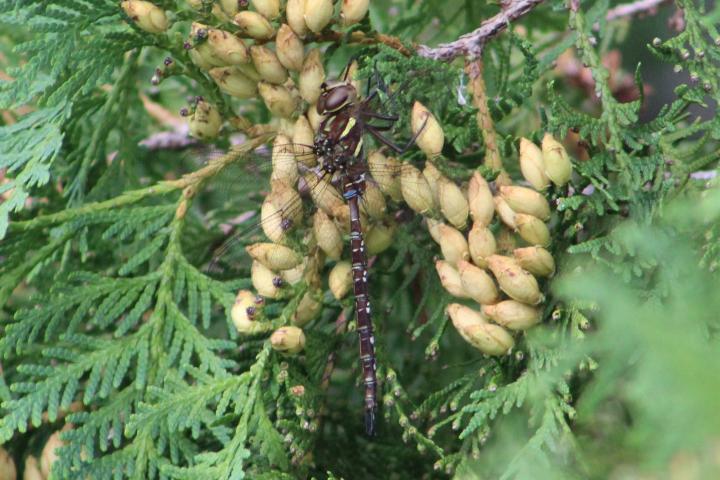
(338,146)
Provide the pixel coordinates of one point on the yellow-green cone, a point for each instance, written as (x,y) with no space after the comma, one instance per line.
(273,256)
(311,76)
(415,189)
(532,230)
(353,11)
(556,161)
(450,279)
(254,25)
(241,318)
(295,13)
(308,309)
(303,137)
(480,200)
(264,280)
(380,236)
(340,279)
(513,314)
(318,14)
(49,453)
(452,242)
(267,8)
(146,15)
(526,200)
(430,138)
(535,260)
(386,172)
(328,235)
(268,65)
(531,165)
(477,283)
(7,466)
(289,339)
(277,99)
(233,81)
(206,121)
(474,328)
(517,283)
(453,204)
(481,243)
(284,165)
(506,214)
(289,48)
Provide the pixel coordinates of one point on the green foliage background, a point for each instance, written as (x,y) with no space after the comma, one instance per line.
(106,299)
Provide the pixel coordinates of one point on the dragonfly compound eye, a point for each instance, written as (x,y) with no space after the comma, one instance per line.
(336,98)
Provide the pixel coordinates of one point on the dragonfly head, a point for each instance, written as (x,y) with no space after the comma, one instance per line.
(333,97)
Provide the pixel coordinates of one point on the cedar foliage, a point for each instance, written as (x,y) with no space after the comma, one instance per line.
(112,322)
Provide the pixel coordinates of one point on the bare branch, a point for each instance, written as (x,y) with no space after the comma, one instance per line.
(471,44)
(633,8)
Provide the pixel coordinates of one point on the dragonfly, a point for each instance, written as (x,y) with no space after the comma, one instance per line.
(339,148)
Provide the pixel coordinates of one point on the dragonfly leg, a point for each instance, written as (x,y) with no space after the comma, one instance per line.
(375,132)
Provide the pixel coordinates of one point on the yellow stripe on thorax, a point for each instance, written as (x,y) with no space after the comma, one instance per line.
(350,124)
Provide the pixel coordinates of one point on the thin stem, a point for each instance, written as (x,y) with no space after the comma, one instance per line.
(474,69)
(191,182)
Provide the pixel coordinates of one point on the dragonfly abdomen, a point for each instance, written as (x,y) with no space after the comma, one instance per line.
(352,190)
